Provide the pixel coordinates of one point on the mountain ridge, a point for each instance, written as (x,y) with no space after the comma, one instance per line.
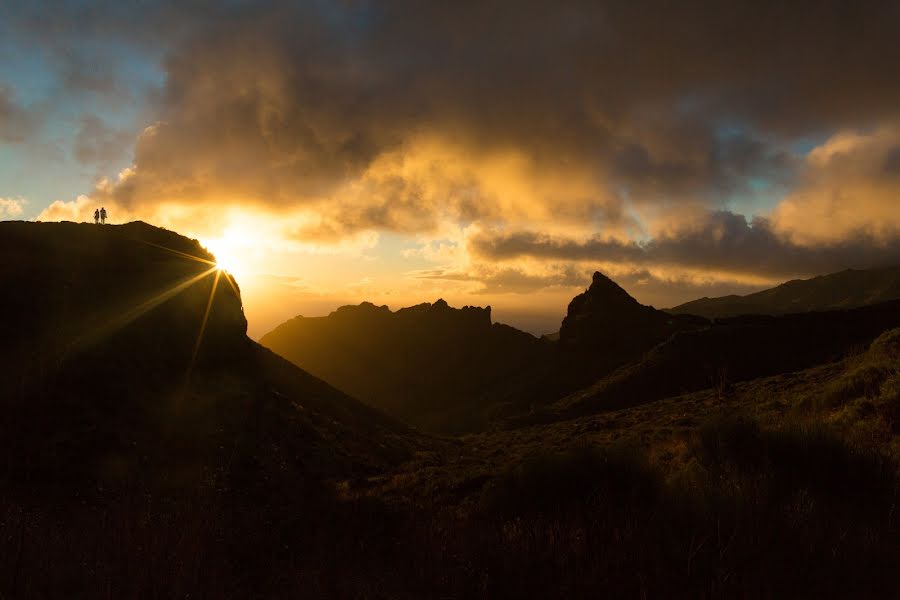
(429,364)
(453,370)
(849,288)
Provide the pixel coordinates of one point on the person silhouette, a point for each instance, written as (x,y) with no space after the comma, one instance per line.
(103,215)
(96,216)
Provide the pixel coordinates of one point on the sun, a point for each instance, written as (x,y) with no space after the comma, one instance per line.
(232,251)
(226,261)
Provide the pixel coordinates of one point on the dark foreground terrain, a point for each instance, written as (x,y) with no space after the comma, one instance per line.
(150,449)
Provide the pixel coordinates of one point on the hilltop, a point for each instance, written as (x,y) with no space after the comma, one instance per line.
(118,337)
(141,426)
(846,289)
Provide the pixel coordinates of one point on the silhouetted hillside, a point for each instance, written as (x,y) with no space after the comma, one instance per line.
(452,370)
(121,362)
(846,289)
(432,365)
(732,350)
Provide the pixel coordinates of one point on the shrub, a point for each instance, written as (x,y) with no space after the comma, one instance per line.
(863,381)
(549,483)
(810,459)
(888,402)
(887,345)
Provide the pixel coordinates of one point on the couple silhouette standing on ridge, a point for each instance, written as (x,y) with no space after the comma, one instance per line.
(100,215)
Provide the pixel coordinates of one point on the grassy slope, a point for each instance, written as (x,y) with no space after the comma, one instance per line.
(784,486)
(857,396)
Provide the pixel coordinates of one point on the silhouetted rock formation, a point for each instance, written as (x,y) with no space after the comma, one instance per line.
(846,289)
(610,328)
(106,376)
(432,365)
(732,350)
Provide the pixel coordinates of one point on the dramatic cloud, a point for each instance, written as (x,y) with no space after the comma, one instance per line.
(851,190)
(382,115)
(512,147)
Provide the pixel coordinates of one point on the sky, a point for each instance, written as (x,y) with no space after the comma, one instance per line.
(489,153)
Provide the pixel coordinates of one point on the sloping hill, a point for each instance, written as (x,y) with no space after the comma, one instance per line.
(729,351)
(432,365)
(846,289)
(126,357)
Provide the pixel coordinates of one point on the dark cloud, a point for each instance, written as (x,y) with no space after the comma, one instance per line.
(91,72)
(17,123)
(892,161)
(98,143)
(723,241)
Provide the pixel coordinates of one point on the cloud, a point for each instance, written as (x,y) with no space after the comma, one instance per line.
(99,144)
(850,190)
(666,140)
(11,207)
(78,210)
(722,242)
(17,122)
(378,116)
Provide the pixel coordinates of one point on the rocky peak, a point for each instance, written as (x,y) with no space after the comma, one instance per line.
(606,315)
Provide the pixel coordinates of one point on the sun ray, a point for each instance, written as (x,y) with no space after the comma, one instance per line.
(212,295)
(230,281)
(179,253)
(132,314)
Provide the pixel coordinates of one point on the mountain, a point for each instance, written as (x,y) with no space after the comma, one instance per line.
(604,329)
(434,366)
(453,370)
(606,320)
(126,359)
(729,351)
(846,289)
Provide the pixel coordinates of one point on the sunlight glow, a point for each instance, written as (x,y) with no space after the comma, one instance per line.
(233,249)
